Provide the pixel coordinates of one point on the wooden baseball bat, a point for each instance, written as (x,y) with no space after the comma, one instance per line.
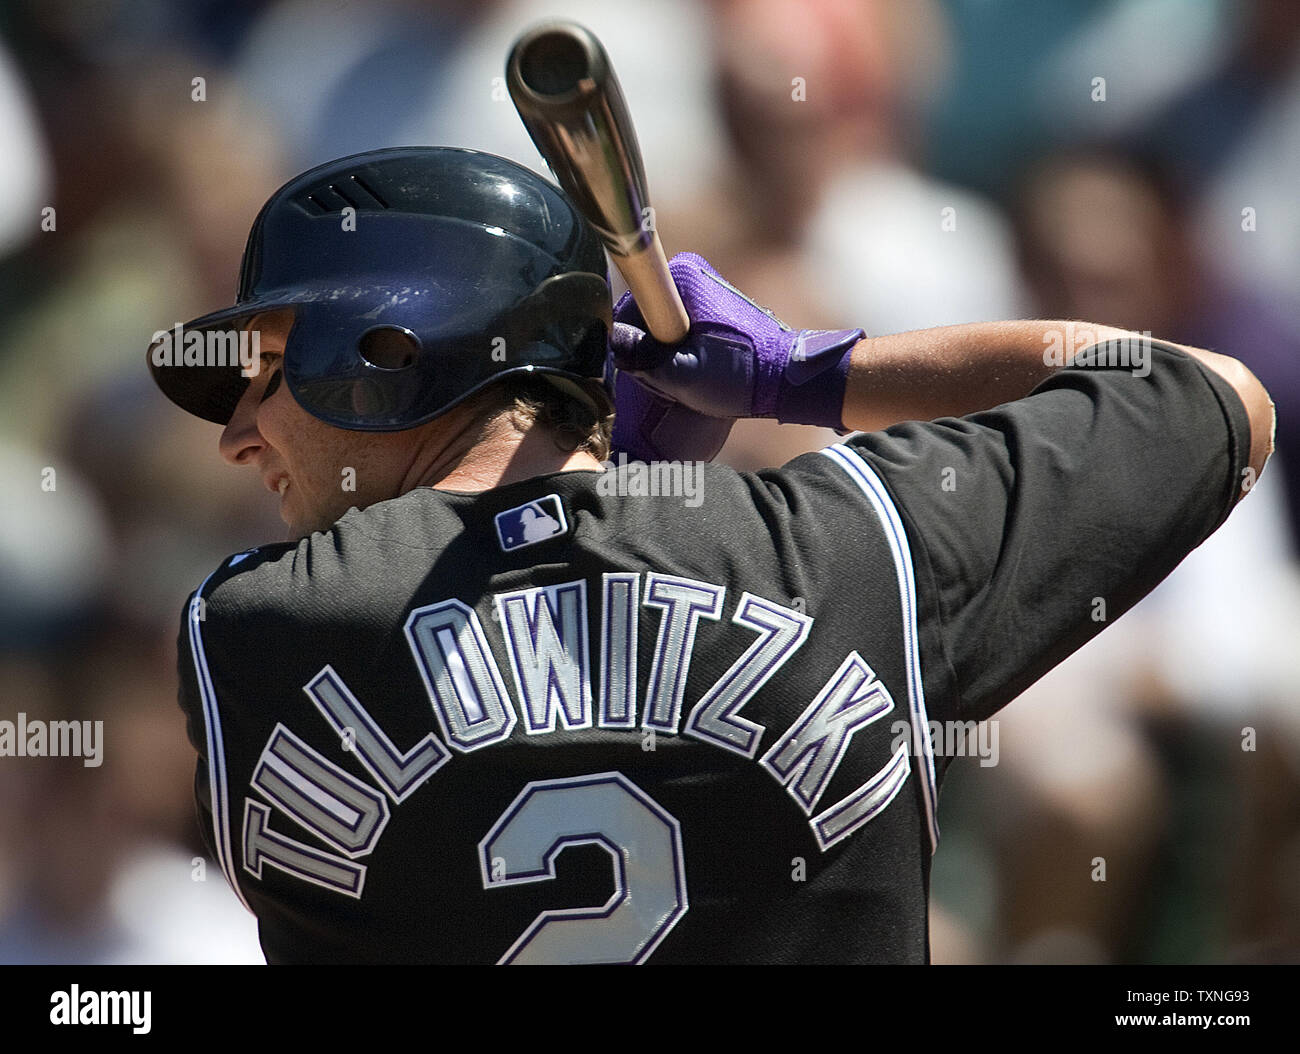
(570,101)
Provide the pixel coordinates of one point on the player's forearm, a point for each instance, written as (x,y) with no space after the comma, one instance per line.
(950,371)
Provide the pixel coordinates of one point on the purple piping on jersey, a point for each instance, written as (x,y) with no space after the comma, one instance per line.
(865,477)
(216,747)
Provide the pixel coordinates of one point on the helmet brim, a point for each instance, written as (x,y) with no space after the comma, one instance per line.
(206,382)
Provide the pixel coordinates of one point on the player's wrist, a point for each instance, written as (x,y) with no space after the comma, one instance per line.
(810,388)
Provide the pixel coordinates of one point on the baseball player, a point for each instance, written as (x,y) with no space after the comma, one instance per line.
(487,706)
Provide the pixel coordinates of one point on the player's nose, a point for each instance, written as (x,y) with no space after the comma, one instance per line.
(241,441)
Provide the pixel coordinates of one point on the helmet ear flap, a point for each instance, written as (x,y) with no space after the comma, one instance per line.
(389,347)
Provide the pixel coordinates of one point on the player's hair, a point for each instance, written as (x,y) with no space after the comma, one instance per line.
(574,422)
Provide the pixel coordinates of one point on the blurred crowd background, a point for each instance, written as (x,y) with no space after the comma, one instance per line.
(1129,162)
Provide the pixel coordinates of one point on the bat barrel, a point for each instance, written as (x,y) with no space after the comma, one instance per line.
(555,60)
(569,99)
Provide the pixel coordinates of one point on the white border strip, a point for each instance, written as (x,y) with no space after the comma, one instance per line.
(865,477)
(216,746)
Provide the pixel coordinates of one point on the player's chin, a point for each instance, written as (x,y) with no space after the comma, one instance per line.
(296,532)
(296,527)
(293,530)
(302,522)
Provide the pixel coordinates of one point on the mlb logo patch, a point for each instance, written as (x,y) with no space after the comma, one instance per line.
(532,523)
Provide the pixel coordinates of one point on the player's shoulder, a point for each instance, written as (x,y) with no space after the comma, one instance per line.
(324,569)
(246,580)
(833,472)
(807,485)
(265,575)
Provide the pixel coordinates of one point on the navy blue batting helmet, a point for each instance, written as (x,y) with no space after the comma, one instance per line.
(455,268)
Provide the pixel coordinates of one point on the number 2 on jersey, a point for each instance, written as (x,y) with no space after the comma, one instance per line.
(645,847)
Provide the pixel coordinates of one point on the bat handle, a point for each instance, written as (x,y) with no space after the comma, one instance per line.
(646,273)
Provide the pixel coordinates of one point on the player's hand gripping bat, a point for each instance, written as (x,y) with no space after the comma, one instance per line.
(565,90)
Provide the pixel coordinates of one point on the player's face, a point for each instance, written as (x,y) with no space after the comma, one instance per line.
(319,471)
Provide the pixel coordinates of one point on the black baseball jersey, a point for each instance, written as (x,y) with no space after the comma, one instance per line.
(673,714)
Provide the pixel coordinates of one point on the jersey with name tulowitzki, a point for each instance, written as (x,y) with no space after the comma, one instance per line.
(551,723)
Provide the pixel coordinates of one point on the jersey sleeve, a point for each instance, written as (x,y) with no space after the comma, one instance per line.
(1032,526)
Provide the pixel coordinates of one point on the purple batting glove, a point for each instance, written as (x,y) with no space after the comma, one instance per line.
(651,427)
(738,360)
